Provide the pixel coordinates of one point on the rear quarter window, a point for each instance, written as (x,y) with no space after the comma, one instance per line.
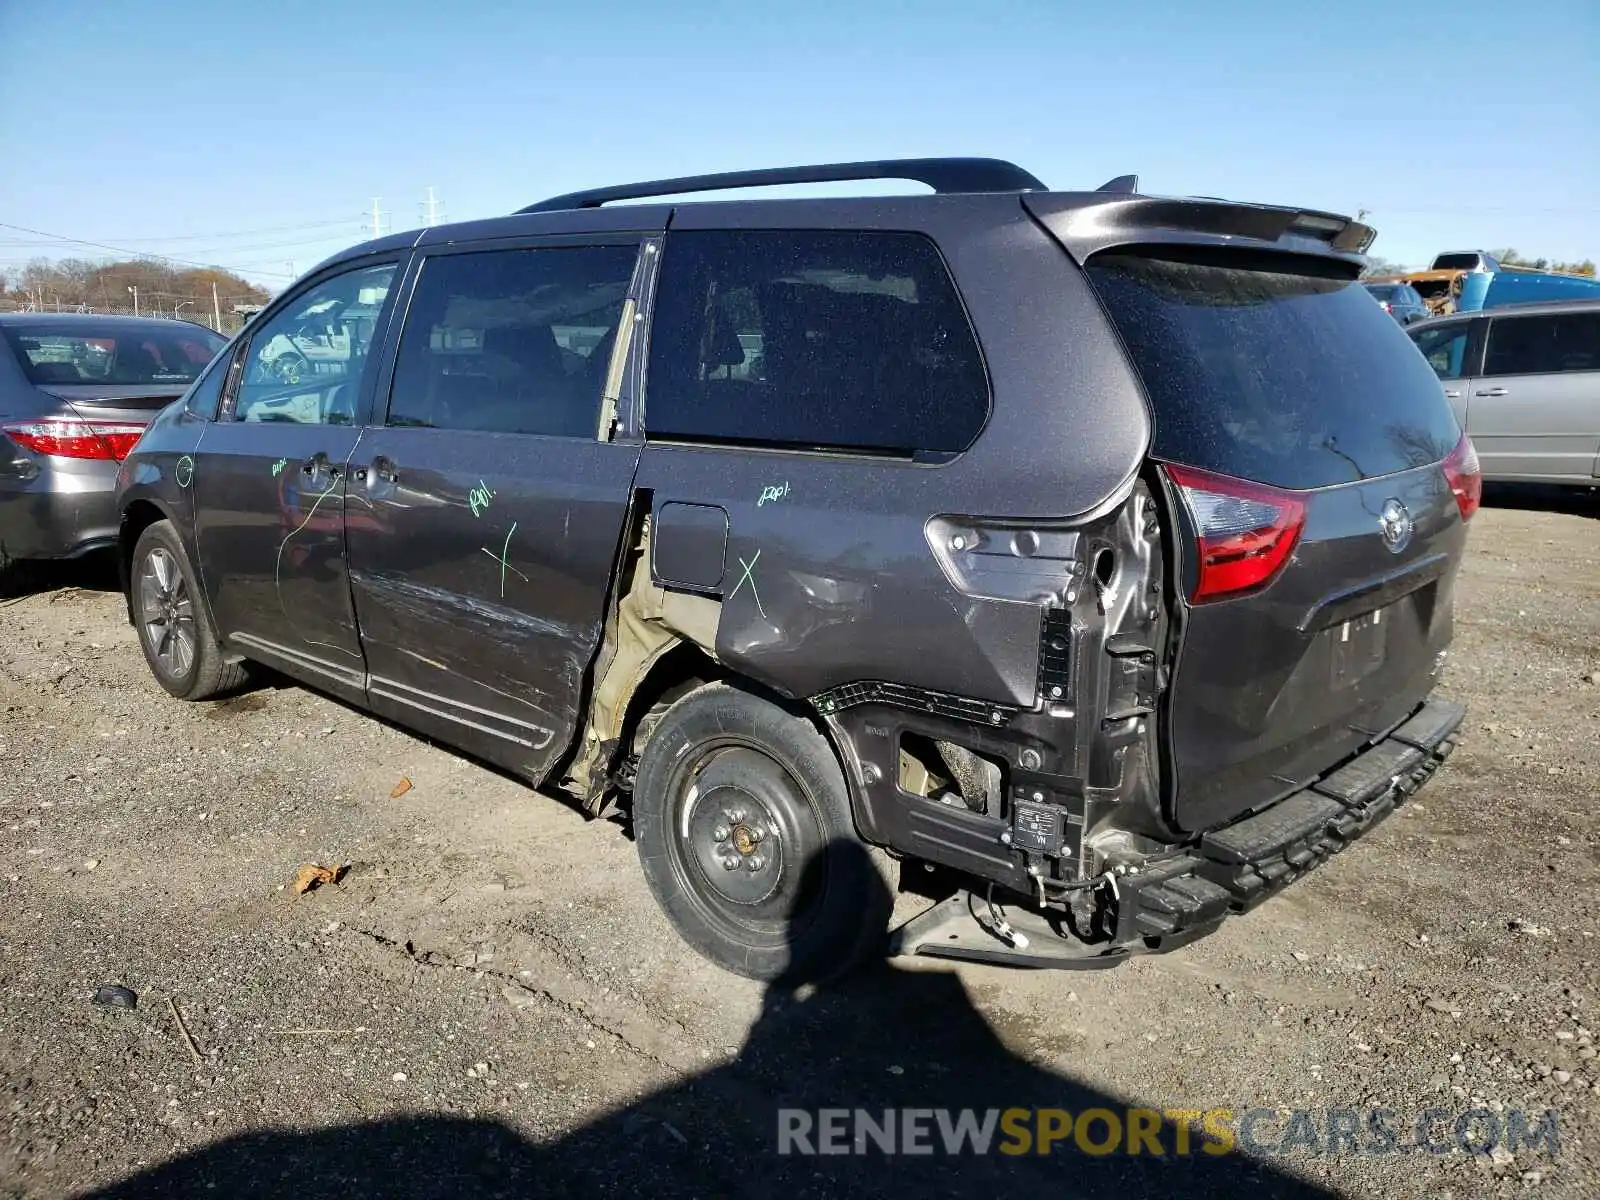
(821,340)
(1274,369)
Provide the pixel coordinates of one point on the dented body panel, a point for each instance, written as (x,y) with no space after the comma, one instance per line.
(481,588)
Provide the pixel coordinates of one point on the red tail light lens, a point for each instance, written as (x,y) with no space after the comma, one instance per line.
(67,438)
(1465,476)
(1246,530)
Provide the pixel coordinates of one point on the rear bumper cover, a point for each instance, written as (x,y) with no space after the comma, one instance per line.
(1177,897)
(57,514)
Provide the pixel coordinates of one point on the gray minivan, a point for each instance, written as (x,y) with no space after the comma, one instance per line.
(1089,556)
(1524,380)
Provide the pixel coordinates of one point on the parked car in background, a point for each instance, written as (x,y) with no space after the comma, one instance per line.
(1400,300)
(76,392)
(1524,380)
(1465,260)
(805,526)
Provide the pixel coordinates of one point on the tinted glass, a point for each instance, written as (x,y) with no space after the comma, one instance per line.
(1444,347)
(306,363)
(1384,291)
(816,340)
(1273,374)
(207,392)
(511,341)
(1543,345)
(1456,262)
(114,353)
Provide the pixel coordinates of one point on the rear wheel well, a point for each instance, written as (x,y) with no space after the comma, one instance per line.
(674,675)
(136,518)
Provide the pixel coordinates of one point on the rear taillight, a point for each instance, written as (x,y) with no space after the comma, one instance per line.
(1465,476)
(70,438)
(1246,531)
(1387,307)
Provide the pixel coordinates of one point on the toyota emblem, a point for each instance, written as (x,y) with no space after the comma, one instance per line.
(1395,523)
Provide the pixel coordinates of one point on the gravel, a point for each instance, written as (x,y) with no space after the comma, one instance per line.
(488,1002)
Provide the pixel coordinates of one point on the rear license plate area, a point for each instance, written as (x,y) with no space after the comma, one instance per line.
(1359,646)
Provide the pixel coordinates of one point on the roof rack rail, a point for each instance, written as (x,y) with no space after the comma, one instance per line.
(941,174)
(1122,183)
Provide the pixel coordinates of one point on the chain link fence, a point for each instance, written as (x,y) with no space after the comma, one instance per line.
(230,323)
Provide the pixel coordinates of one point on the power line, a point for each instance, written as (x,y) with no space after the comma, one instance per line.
(214,237)
(231,251)
(187,262)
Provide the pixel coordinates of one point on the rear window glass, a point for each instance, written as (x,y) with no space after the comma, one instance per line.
(1292,379)
(1456,262)
(1386,291)
(115,354)
(813,340)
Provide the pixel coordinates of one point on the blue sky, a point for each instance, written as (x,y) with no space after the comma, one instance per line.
(255,136)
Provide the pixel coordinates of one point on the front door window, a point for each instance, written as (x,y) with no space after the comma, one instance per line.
(306,364)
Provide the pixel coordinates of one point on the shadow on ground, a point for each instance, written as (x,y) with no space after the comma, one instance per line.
(1574,501)
(96,572)
(888,1037)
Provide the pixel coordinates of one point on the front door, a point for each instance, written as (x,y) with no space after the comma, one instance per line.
(1534,413)
(269,481)
(491,506)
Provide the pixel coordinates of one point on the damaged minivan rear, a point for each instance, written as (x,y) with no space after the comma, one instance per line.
(1081,562)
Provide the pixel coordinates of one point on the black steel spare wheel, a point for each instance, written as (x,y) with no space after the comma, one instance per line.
(744,831)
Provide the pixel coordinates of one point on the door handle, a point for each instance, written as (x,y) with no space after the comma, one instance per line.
(1453,395)
(320,466)
(1490,392)
(381,472)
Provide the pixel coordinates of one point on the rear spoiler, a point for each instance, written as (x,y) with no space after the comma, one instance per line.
(1088,222)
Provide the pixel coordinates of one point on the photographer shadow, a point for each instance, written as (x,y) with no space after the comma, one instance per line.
(887,1038)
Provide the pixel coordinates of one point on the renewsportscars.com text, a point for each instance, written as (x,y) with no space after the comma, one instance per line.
(1261,1132)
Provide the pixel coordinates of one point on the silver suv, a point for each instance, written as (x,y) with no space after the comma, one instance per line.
(1524,381)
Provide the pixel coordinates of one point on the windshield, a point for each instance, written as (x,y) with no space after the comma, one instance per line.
(1259,371)
(120,353)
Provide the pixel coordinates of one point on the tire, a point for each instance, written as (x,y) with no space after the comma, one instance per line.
(742,818)
(175,631)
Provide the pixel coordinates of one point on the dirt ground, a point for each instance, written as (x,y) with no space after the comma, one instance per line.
(489,1003)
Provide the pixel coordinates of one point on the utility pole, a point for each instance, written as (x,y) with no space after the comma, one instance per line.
(431,211)
(377,219)
(135,290)
(216,307)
